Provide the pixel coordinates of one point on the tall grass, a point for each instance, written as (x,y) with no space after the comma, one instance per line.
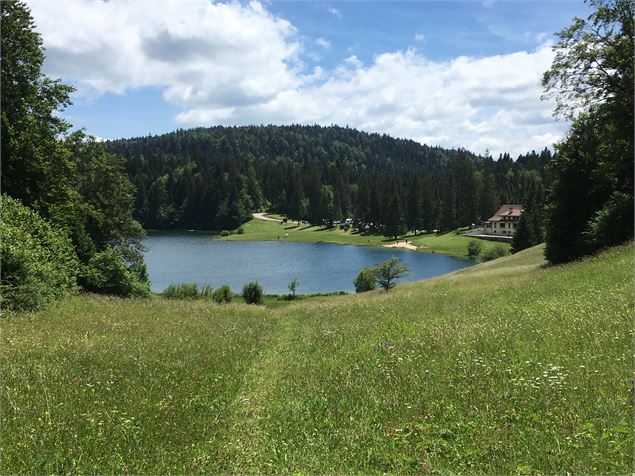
(508,367)
(187,291)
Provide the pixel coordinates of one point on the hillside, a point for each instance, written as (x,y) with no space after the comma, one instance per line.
(506,367)
(212,178)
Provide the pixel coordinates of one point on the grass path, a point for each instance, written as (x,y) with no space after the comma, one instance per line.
(247,441)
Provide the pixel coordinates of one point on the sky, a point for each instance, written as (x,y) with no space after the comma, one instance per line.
(453,73)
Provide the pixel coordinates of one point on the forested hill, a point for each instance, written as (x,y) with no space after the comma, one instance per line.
(212,178)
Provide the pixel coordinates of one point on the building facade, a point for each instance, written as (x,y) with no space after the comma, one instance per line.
(505,221)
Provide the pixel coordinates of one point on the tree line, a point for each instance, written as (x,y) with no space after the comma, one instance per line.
(213,178)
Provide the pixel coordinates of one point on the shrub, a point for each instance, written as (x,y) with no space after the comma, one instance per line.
(223,294)
(252,293)
(225,233)
(38,263)
(241,231)
(181,291)
(473,248)
(293,286)
(389,271)
(207,291)
(365,280)
(107,273)
(494,253)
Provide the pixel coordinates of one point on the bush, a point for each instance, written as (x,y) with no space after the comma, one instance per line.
(494,253)
(223,295)
(365,280)
(225,233)
(107,273)
(207,291)
(181,291)
(473,248)
(293,287)
(241,231)
(38,263)
(252,293)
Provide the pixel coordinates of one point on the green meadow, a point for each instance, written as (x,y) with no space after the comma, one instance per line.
(450,243)
(508,367)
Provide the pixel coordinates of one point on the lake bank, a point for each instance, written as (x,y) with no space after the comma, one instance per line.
(451,243)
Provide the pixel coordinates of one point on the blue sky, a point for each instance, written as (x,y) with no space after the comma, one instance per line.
(451,73)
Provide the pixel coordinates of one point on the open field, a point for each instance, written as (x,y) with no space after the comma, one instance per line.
(447,243)
(508,367)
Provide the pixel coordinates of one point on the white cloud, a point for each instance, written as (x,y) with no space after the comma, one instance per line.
(228,63)
(419,37)
(335,12)
(324,43)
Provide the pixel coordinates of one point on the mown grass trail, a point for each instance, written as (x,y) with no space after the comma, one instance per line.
(506,367)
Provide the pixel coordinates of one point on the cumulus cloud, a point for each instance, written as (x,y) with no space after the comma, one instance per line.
(419,37)
(227,63)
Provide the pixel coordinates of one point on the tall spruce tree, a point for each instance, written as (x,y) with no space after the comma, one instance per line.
(395,221)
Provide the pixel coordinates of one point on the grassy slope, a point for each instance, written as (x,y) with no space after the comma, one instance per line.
(260,230)
(506,367)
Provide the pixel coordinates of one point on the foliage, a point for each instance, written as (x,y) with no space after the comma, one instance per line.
(592,80)
(293,286)
(212,178)
(223,295)
(69,179)
(108,273)
(494,253)
(181,291)
(252,293)
(38,263)
(365,280)
(529,230)
(389,271)
(241,230)
(473,372)
(593,60)
(474,248)
(395,223)
(225,233)
(36,168)
(610,225)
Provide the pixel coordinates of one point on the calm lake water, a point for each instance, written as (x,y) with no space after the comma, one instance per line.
(182,257)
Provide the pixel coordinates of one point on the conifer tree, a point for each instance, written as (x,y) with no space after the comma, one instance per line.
(395,221)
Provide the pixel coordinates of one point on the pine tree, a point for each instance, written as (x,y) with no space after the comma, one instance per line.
(524,236)
(414,201)
(395,221)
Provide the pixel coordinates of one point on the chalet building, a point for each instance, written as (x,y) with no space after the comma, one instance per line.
(505,220)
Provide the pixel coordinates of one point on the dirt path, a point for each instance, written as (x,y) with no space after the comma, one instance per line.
(261,216)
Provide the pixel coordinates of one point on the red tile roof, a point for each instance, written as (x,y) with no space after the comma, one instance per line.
(507,211)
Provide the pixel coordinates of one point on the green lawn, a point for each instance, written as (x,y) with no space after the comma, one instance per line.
(508,367)
(448,243)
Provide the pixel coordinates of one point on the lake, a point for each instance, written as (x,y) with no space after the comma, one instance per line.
(182,257)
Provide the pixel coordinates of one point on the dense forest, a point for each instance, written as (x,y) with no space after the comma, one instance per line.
(212,178)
